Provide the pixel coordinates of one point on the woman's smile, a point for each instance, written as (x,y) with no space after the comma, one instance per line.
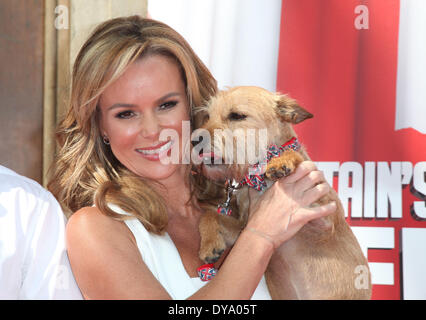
(157,152)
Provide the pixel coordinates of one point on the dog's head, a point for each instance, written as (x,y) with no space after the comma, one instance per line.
(242,122)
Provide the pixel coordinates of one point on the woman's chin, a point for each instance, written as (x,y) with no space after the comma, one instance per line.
(158,171)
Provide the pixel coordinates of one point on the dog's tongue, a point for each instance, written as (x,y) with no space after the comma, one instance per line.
(209,157)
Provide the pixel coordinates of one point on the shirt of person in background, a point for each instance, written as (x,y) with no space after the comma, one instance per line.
(33,259)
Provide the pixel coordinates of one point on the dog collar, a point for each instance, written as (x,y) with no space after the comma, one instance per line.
(256,176)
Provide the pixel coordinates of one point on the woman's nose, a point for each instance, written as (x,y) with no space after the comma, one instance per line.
(150,127)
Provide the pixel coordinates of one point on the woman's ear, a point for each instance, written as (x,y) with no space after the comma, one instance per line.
(289,110)
(98,120)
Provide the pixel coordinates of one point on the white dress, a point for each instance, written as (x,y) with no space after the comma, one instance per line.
(162,258)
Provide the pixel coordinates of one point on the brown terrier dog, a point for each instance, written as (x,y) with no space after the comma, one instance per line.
(323,260)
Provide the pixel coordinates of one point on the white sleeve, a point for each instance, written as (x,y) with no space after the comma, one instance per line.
(46,272)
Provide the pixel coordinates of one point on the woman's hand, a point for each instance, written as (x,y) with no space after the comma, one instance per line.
(285,207)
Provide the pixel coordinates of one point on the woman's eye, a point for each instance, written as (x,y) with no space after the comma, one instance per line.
(125,114)
(168,105)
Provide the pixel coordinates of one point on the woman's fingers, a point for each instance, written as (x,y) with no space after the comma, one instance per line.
(315,193)
(304,215)
(301,171)
(310,180)
(307,182)
(297,219)
(309,214)
(285,207)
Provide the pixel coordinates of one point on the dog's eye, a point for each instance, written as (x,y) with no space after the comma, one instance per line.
(234,116)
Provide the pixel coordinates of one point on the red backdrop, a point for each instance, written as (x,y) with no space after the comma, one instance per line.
(347,78)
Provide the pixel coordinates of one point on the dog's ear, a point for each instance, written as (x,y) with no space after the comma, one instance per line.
(289,110)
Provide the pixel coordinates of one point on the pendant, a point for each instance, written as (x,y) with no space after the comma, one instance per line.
(206,272)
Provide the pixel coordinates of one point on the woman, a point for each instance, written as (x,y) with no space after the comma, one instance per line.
(134,233)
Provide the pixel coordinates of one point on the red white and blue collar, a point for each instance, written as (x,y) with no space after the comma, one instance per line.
(256,176)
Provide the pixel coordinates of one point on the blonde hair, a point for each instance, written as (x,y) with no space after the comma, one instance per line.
(85,171)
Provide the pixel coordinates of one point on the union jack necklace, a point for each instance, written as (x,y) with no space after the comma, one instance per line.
(206,272)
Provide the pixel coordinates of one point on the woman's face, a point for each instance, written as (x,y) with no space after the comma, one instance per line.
(149,97)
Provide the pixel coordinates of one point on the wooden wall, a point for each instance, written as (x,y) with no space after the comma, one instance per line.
(35,62)
(21,86)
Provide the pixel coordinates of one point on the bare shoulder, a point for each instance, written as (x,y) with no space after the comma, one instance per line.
(88,215)
(91,234)
(105,259)
(91,222)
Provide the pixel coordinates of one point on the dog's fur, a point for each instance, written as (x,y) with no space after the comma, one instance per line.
(321,260)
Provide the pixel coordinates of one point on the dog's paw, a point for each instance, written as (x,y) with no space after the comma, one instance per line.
(275,173)
(212,257)
(210,251)
(283,165)
(279,168)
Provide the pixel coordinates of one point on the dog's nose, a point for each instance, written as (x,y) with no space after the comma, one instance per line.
(198,139)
